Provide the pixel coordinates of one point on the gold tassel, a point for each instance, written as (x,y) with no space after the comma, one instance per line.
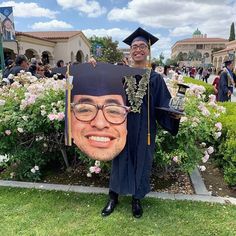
(68,87)
(148,134)
(149,61)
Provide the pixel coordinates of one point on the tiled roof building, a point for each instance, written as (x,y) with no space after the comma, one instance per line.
(50,46)
(198,50)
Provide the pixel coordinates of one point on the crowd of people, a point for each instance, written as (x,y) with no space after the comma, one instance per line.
(34,66)
(223,83)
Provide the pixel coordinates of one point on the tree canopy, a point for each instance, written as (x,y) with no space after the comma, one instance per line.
(104,49)
(232,32)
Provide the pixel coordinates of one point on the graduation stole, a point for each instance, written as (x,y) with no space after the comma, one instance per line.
(229,77)
(136,92)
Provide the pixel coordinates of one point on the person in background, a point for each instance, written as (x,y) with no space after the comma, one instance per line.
(216,84)
(192,72)
(47,71)
(33,69)
(205,75)
(40,72)
(226,82)
(21,63)
(9,65)
(60,63)
(154,66)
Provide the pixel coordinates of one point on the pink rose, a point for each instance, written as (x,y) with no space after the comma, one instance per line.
(205,158)
(60,116)
(52,117)
(8,132)
(218,126)
(175,159)
(97,169)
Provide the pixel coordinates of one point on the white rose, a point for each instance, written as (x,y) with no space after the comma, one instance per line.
(202,168)
(36,168)
(210,150)
(89,175)
(92,169)
(20,130)
(97,163)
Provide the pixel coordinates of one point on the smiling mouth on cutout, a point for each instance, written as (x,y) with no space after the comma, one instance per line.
(100,141)
(99,138)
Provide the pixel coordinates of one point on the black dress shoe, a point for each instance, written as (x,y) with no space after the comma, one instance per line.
(109,208)
(137,209)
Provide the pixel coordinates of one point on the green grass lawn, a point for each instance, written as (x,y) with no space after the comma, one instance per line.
(33,212)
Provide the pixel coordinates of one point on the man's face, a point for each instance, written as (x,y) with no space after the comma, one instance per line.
(231,66)
(24,64)
(139,51)
(99,139)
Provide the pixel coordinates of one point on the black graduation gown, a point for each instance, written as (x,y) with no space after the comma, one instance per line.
(131,169)
(223,88)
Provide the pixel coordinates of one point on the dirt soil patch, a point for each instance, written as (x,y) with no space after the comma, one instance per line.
(214,181)
(174,182)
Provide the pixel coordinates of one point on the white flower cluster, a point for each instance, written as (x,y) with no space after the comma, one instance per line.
(4,158)
(195,90)
(2,102)
(34,169)
(94,169)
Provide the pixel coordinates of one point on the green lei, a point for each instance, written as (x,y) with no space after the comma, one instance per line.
(137,92)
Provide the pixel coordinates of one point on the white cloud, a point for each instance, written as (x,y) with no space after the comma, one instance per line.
(163,45)
(90,7)
(115,33)
(30,9)
(179,15)
(51,25)
(181,31)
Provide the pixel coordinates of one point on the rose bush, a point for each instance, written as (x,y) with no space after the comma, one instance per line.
(199,130)
(32,127)
(31,123)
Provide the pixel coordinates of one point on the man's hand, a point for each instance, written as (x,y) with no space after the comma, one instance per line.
(92,61)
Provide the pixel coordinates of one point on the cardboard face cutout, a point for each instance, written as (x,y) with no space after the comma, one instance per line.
(95,108)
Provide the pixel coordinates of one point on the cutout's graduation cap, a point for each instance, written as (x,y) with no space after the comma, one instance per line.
(141,34)
(103,79)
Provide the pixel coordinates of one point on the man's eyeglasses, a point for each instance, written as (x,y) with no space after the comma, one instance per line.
(141,47)
(114,114)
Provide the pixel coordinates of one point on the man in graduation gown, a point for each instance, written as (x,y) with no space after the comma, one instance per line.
(226,83)
(131,169)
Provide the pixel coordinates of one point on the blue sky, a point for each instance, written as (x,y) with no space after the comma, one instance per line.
(169,20)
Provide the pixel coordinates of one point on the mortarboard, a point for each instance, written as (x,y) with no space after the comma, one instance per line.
(103,79)
(228,62)
(141,34)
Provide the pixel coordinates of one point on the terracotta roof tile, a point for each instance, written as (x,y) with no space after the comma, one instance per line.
(54,34)
(32,36)
(203,40)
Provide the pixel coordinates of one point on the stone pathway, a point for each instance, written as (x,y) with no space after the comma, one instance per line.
(201,192)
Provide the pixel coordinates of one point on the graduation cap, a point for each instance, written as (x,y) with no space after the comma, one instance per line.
(103,79)
(228,62)
(142,35)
